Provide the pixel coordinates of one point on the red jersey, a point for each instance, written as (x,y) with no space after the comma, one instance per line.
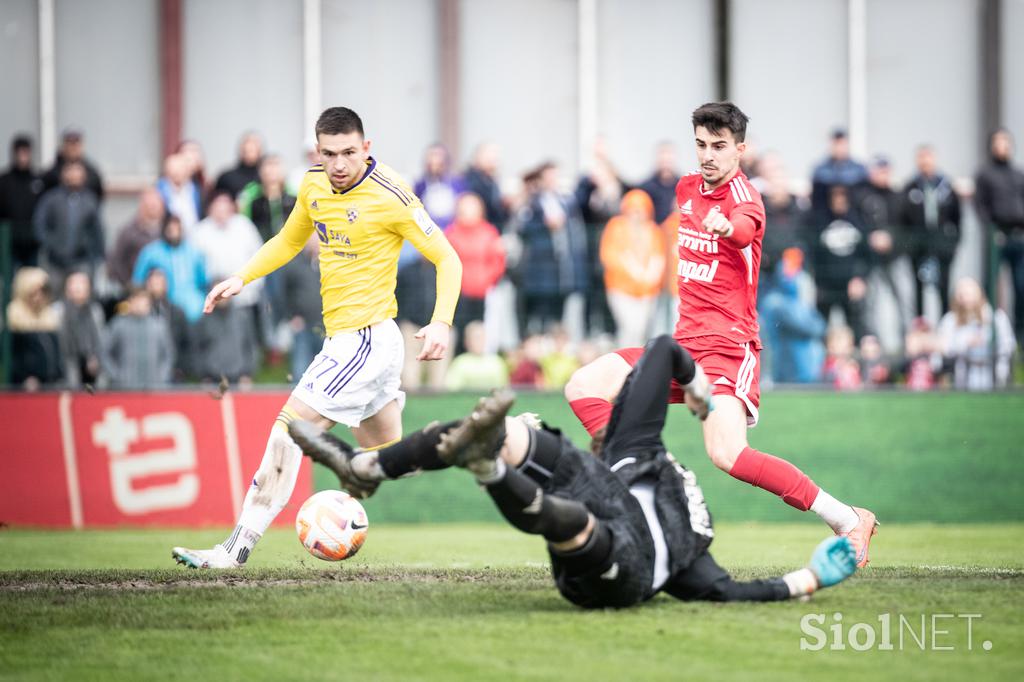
(718,275)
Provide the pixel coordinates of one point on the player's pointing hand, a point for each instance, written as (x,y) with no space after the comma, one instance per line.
(223,291)
(435,337)
(716,223)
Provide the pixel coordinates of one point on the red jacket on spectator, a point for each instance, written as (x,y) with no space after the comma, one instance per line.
(482,253)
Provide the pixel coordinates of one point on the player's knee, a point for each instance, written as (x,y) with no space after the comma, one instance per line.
(578,385)
(601,378)
(723,454)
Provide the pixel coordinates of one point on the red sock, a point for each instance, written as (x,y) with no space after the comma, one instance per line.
(776,476)
(593,412)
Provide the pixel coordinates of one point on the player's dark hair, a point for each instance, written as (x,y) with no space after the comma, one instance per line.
(338,121)
(719,116)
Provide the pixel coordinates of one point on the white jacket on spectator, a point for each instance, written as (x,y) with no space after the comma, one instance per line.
(968,345)
(226,248)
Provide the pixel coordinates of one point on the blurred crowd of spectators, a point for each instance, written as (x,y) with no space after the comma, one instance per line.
(555,273)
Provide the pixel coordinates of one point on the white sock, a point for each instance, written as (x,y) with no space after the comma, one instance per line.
(840,517)
(272,485)
(800,583)
(488,471)
(240,543)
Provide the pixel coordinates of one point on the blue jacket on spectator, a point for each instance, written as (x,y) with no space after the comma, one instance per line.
(792,330)
(186,274)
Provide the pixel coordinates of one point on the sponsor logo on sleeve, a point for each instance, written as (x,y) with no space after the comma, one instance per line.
(424,221)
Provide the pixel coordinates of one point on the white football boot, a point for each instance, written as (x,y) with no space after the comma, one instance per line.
(217,557)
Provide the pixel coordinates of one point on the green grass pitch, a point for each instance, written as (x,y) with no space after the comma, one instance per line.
(470,599)
(474,601)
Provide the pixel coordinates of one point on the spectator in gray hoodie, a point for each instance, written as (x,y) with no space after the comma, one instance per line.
(139,351)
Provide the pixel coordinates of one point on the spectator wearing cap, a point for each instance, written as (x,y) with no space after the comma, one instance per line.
(880,206)
(72,149)
(931,214)
(67,225)
(837,170)
(20,189)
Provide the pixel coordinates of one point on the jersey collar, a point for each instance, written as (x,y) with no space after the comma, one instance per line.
(371,163)
(719,192)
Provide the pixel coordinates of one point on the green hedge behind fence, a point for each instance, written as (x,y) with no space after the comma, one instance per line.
(941,457)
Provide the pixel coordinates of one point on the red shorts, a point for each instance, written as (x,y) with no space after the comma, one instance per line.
(733,369)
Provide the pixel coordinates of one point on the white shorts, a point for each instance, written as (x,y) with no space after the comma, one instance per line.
(355,374)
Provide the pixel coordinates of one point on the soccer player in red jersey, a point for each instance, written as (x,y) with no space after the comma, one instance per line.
(721,226)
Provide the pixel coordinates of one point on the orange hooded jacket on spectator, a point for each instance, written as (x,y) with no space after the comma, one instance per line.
(633,256)
(670,235)
(632,248)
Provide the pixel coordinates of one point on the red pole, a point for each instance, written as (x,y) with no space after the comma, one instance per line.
(170,74)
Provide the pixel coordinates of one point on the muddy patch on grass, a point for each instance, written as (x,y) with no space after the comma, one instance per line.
(113,581)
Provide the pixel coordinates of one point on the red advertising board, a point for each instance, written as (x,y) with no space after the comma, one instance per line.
(142,459)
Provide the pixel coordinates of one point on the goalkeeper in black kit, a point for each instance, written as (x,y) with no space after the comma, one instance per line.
(621,525)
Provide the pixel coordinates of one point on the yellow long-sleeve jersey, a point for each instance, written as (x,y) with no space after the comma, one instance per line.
(361,230)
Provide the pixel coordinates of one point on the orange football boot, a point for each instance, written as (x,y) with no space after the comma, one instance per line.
(860,536)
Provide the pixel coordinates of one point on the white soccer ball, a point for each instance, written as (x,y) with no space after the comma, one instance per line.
(332,525)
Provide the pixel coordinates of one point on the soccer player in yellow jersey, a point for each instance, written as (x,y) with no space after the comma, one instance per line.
(361,211)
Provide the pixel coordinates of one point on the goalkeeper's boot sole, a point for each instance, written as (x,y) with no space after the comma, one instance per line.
(217,557)
(334,453)
(478,438)
(860,536)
